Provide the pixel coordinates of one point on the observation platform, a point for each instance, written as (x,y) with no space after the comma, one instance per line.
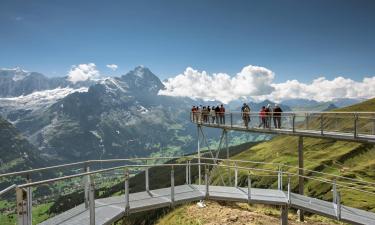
(343,126)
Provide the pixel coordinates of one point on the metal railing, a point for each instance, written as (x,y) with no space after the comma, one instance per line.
(24,191)
(357,124)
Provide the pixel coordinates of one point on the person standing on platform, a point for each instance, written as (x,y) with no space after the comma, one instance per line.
(277,116)
(217,112)
(222,114)
(268,116)
(245,110)
(262,117)
(213,114)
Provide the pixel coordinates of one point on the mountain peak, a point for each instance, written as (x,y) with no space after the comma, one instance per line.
(142,79)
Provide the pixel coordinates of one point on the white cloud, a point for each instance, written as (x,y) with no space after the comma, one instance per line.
(257,83)
(322,89)
(251,81)
(112,67)
(83,72)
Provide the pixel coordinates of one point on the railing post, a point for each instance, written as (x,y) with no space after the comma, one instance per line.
(280,179)
(187,173)
(321,124)
(147,179)
(355,125)
(334,190)
(307,121)
(86,185)
(338,199)
(206,182)
(235,174)
(288,198)
(248,188)
(301,179)
(199,159)
(21,197)
(92,201)
(284,215)
(172,187)
(231,120)
(294,122)
(29,202)
(127,204)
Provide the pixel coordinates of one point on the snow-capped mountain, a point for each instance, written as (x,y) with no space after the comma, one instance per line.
(17,82)
(114,117)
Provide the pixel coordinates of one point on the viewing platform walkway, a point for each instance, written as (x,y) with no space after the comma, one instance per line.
(344,126)
(111,209)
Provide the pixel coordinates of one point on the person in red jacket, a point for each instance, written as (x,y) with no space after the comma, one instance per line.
(262,117)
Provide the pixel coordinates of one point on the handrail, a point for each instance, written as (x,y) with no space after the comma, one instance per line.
(300,112)
(6,190)
(184,157)
(184,164)
(18,173)
(294,167)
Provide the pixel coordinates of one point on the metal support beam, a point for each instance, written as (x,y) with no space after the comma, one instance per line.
(280,179)
(338,204)
(86,185)
(306,121)
(288,197)
(300,172)
(189,172)
(127,204)
(206,183)
(355,125)
(29,195)
(248,188)
(214,158)
(227,148)
(92,201)
(235,175)
(172,187)
(284,215)
(199,158)
(147,184)
(293,122)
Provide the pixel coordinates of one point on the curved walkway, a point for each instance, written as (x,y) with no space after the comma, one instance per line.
(109,210)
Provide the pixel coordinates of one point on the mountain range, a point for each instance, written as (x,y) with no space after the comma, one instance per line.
(107,118)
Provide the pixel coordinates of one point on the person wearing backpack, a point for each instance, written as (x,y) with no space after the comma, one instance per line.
(245,114)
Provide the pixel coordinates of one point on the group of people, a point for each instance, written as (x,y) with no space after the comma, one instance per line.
(267,114)
(207,114)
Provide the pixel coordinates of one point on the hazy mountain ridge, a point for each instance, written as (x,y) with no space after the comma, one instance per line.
(17,82)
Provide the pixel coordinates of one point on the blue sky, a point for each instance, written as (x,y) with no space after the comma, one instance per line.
(295,39)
